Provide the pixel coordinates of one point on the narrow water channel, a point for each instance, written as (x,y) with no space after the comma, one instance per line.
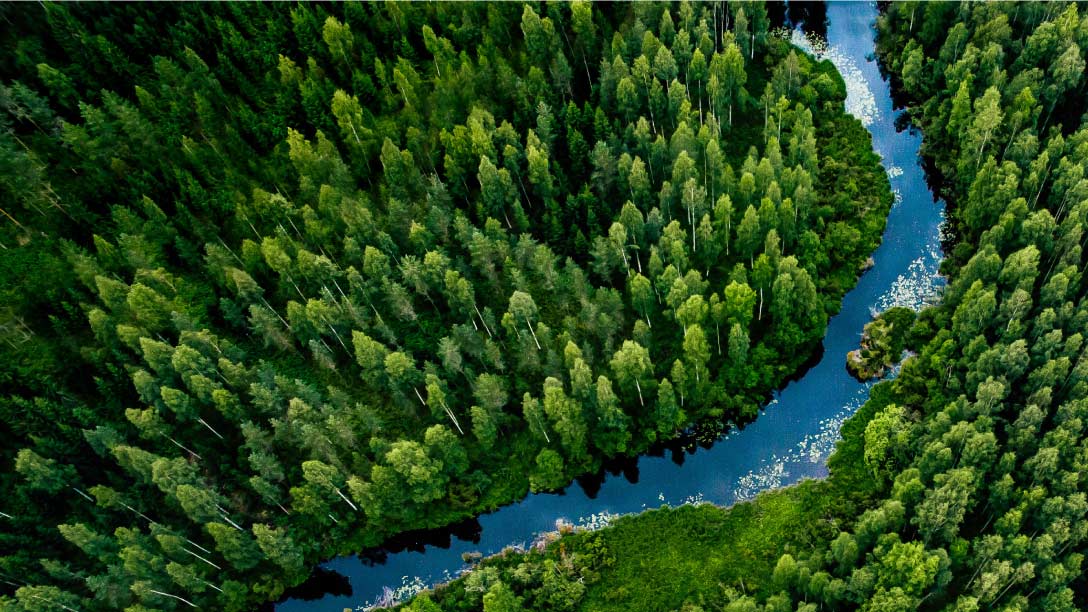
(793,437)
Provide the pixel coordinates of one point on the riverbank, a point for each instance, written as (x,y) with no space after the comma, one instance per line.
(853,193)
(882,343)
(738,541)
(982,433)
(697,553)
(788,443)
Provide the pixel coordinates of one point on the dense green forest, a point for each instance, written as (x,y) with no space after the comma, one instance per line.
(961,485)
(278,282)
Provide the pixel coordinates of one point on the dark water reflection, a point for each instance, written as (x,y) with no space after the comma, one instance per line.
(789,441)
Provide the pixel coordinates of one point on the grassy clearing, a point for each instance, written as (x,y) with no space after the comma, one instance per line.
(667,558)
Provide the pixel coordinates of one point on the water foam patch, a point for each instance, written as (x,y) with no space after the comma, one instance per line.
(860,100)
(814,449)
(913,289)
(409,588)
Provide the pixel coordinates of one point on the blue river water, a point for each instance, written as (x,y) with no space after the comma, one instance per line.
(791,439)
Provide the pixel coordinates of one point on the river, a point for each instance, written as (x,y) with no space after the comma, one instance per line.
(790,440)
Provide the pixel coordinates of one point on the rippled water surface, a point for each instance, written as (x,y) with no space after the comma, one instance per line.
(792,439)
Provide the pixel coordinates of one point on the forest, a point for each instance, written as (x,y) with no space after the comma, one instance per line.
(961,485)
(280,282)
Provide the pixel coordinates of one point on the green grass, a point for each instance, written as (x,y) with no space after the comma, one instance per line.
(664,558)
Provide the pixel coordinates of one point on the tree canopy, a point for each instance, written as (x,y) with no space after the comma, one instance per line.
(278,283)
(960,485)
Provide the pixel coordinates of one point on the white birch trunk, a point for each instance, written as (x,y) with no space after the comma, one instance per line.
(205,424)
(345,498)
(202,558)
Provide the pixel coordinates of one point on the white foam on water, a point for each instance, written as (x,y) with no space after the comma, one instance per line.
(860,101)
(597,521)
(913,289)
(814,448)
(409,588)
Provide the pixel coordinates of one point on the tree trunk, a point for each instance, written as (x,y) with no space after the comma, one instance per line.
(185,601)
(226,518)
(533,332)
(182,447)
(453,418)
(205,424)
(66,607)
(488,329)
(344,497)
(82,494)
(202,558)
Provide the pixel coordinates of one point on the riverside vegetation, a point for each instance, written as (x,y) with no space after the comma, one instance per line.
(278,283)
(882,342)
(961,485)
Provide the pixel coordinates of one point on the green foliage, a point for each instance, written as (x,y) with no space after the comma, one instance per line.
(698,553)
(882,342)
(959,485)
(274,279)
